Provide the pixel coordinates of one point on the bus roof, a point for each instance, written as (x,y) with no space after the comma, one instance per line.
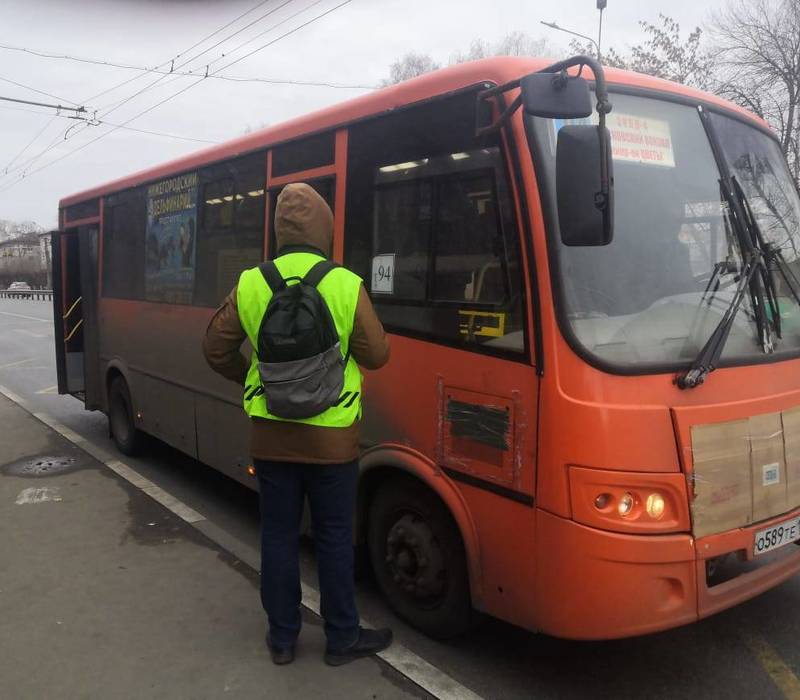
(498,70)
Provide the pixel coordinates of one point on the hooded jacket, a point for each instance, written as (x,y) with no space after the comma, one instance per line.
(303,222)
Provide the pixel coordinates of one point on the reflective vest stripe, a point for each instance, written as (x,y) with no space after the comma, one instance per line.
(340,289)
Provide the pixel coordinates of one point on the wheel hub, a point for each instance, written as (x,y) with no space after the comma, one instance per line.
(414,558)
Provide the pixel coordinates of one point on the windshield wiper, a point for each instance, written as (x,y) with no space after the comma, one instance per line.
(773,256)
(706,361)
(766,278)
(754,278)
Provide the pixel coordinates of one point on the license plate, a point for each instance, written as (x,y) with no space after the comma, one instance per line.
(776,536)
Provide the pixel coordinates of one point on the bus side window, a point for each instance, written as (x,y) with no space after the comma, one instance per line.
(430,227)
(470,260)
(323,186)
(231,233)
(124,245)
(402,231)
(218,204)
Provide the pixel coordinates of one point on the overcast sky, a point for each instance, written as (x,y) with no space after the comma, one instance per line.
(354,45)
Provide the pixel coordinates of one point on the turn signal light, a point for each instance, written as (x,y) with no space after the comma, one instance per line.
(602,501)
(251,470)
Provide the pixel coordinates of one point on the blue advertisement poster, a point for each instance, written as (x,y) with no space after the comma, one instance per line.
(171,239)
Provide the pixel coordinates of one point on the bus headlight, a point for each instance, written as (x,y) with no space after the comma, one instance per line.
(638,502)
(655,505)
(625,504)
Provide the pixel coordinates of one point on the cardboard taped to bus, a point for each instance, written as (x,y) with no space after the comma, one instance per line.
(791,442)
(768,464)
(721,478)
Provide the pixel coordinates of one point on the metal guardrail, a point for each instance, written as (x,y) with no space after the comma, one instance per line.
(34,294)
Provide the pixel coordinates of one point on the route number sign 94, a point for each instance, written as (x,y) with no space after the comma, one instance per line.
(383,274)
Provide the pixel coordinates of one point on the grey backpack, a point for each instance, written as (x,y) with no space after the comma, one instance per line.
(300,360)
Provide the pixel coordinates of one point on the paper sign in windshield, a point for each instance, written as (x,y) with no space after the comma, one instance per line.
(640,140)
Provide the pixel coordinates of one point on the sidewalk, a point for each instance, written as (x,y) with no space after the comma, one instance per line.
(104,593)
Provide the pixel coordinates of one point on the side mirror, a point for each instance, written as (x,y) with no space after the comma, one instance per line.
(585,202)
(556,96)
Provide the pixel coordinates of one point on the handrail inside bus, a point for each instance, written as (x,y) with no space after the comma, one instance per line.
(72,308)
(72,332)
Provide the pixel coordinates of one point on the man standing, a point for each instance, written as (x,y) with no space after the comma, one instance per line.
(315,456)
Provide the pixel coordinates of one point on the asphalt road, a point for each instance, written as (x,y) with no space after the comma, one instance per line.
(752,651)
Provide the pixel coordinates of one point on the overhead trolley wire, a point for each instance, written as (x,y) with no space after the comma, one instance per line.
(145,70)
(30,143)
(41,92)
(171,61)
(205,67)
(168,62)
(266,31)
(194,58)
(282,36)
(180,92)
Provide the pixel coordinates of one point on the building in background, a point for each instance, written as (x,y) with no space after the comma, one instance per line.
(45,256)
(21,260)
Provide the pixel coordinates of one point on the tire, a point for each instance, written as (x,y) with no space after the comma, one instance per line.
(418,558)
(126,436)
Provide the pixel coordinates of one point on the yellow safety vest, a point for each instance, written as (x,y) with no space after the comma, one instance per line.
(340,289)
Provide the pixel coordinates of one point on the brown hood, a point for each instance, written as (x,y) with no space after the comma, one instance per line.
(302,217)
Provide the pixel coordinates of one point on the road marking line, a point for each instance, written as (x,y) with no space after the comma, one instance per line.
(40,494)
(13,397)
(49,390)
(30,318)
(420,672)
(155,492)
(61,429)
(17,363)
(31,333)
(777,669)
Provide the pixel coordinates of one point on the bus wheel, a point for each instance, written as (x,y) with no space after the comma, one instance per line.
(120,417)
(418,558)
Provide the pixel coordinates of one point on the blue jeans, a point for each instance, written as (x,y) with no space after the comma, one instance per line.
(331,492)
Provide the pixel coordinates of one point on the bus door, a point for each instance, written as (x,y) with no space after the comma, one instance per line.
(75,312)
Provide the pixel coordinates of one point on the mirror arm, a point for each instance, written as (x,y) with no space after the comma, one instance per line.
(601,91)
(502,120)
(602,197)
(603,108)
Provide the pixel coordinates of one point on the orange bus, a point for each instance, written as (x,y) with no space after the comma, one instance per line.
(590,424)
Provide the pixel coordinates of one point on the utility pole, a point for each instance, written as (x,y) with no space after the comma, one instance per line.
(601,5)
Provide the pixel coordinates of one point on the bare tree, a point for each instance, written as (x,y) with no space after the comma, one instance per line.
(663,53)
(410,66)
(12,229)
(758,61)
(513,44)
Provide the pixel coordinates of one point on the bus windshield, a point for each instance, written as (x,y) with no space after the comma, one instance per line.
(651,298)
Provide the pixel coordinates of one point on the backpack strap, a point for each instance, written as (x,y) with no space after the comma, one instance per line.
(272,277)
(316,274)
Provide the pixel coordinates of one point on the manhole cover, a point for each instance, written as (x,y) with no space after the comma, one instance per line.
(45,465)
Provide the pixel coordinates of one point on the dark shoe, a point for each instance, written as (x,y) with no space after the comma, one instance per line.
(280,656)
(369,642)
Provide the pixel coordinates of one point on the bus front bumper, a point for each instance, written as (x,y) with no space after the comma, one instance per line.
(595,584)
